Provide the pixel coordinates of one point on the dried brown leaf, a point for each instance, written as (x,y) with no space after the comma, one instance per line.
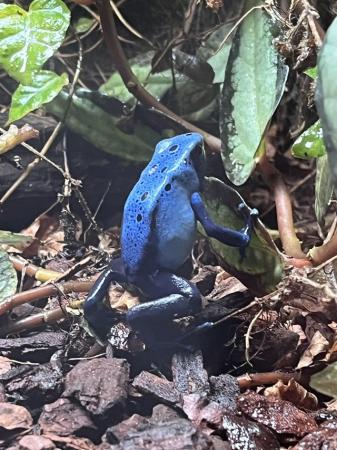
(292,392)
(317,346)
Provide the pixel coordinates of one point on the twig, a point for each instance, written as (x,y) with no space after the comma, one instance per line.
(131,81)
(33,271)
(39,155)
(127,25)
(250,380)
(320,255)
(247,336)
(31,322)
(31,166)
(48,290)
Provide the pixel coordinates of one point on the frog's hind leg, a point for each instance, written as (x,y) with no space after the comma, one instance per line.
(172,297)
(98,316)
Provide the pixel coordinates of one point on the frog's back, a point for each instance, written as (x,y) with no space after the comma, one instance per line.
(169,171)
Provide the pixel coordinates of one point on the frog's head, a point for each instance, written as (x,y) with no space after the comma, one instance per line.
(181,150)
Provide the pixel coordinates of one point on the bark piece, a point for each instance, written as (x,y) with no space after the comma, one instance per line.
(160,388)
(100,385)
(189,375)
(35,385)
(279,415)
(244,434)
(14,417)
(32,442)
(64,418)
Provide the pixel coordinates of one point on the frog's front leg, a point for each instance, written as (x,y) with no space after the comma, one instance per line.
(171,297)
(98,316)
(225,235)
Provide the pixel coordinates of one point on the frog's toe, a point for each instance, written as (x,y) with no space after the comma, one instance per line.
(254,212)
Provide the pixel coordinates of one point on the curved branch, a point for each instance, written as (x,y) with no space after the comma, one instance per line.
(32,295)
(284,213)
(131,81)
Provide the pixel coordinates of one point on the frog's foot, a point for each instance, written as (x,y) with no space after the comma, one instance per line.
(248,228)
(100,321)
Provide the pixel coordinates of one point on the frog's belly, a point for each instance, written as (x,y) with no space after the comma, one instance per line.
(175,240)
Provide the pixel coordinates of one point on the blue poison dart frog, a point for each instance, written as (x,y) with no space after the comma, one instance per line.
(158,232)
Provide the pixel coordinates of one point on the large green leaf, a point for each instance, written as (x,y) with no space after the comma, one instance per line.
(326,95)
(262,268)
(310,143)
(8,278)
(254,83)
(107,133)
(41,88)
(28,39)
(325,381)
(323,188)
(17,240)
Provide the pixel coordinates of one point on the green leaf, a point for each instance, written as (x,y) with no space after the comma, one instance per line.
(104,130)
(254,84)
(326,95)
(157,84)
(310,143)
(325,381)
(217,58)
(323,188)
(312,72)
(17,240)
(261,269)
(41,88)
(8,277)
(28,39)
(84,24)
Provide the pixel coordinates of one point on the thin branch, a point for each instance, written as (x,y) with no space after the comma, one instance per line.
(48,290)
(131,81)
(251,380)
(284,213)
(33,271)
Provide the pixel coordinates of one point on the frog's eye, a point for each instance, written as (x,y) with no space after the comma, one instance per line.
(173,148)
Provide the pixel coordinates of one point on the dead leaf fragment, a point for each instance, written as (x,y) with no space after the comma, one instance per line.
(15,136)
(279,415)
(292,392)
(318,345)
(14,417)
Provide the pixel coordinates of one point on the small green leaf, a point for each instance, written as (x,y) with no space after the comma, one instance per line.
(261,269)
(8,277)
(326,95)
(17,240)
(218,56)
(254,84)
(323,188)
(310,143)
(325,381)
(42,88)
(157,84)
(84,24)
(28,39)
(312,72)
